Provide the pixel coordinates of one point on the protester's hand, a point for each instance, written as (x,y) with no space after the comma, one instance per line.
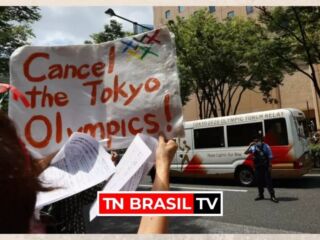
(114,157)
(165,153)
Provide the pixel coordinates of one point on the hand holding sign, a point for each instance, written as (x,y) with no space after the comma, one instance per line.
(112,90)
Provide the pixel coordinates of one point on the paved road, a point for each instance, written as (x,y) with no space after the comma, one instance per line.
(297,211)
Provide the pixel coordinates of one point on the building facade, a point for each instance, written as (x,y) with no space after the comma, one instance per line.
(296,91)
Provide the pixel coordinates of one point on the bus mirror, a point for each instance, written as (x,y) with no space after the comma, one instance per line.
(300,132)
(312,126)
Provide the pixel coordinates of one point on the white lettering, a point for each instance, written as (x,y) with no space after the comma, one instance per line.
(211,205)
(112,203)
(184,204)
(171,204)
(147,203)
(135,203)
(159,204)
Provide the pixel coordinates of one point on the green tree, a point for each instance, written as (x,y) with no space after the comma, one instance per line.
(111,32)
(219,61)
(296,31)
(15,31)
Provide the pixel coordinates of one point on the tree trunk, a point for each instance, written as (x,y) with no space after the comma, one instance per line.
(307,48)
(238,101)
(200,104)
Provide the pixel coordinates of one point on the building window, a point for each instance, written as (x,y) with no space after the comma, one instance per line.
(249,9)
(209,138)
(231,14)
(212,9)
(243,134)
(167,14)
(180,9)
(276,132)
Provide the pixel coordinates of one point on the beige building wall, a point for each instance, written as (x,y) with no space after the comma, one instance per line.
(191,109)
(316,99)
(252,101)
(295,92)
(159,18)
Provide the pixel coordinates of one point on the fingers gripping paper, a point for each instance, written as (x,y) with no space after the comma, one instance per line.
(112,90)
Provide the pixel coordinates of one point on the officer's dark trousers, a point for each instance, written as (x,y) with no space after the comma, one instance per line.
(263,176)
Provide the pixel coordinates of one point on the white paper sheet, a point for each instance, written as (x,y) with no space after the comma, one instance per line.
(134,165)
(79,165)
(134,181)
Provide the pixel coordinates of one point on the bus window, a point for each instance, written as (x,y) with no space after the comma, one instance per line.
(208,137)
(242,135)
(276,132)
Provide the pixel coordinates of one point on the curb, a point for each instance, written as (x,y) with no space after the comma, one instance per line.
(315,170)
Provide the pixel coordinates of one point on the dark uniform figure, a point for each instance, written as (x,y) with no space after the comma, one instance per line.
(262,162)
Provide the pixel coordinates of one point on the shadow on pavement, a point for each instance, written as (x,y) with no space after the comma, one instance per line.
(287,199)
(298,183)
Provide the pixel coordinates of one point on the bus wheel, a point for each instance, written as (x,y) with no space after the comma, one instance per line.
(245,176)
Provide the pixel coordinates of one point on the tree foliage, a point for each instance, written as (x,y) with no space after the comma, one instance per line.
(15,31)
(296,31)
(111,32)
(218,61)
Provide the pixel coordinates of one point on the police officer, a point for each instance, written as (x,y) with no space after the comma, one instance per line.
(262,162)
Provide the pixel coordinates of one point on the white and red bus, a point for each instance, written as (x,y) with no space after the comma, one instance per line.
(216,146)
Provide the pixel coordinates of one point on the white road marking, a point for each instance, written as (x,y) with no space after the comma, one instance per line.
(312,175)
(200,189)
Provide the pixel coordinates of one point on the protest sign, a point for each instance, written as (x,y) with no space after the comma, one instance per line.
(79,165)
(112,90)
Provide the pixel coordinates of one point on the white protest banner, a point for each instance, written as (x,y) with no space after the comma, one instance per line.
(112,90)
